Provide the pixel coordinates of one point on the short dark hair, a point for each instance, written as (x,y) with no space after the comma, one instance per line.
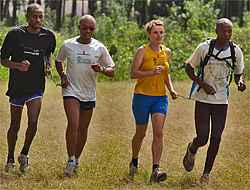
(223,21)
(33,6)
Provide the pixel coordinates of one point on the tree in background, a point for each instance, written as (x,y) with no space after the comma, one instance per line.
(92,6)
(58,14)
(144,10)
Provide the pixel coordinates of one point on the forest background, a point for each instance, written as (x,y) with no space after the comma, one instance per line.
(120,26)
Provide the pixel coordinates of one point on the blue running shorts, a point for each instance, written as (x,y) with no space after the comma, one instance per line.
(143,105)
(22,101)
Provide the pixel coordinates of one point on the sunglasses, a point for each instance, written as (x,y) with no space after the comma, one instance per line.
(91,28)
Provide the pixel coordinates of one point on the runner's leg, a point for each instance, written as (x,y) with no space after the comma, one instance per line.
(218,117)
(158,120)
(72,110)
(12,135)
(140,133)
(202,125)
(82,131)
(33,111)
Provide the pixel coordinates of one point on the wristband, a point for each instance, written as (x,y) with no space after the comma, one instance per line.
(63,75)
(48,63)
(104,69)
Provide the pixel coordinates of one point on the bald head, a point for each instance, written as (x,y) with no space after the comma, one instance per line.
(223,22)
(87,18)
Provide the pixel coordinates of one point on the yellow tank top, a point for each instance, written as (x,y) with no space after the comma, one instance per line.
(153,85)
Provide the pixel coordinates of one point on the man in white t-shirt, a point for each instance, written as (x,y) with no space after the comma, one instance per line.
(85,58)
(210,92)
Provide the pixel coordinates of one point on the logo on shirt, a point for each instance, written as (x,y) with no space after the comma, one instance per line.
(31,51)
(81,60)
(160,61)
(83,53)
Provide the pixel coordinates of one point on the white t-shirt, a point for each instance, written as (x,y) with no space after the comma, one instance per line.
(81,76)
(216,73)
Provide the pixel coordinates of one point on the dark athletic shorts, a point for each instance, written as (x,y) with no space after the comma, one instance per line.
(85,106)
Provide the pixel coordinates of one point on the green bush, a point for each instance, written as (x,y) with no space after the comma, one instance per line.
(184,30)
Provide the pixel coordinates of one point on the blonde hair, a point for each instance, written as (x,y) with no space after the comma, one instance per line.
(153,23)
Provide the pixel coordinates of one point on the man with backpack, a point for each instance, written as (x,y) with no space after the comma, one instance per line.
(217,58)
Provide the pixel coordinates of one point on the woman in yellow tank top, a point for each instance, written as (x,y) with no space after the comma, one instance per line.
(151,67)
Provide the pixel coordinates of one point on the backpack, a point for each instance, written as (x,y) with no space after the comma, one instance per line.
(210,53)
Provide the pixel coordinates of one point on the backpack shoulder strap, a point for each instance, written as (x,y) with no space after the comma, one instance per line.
(210,51)
(232,46)
(207,57)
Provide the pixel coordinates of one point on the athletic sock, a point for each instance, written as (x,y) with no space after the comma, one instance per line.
(205,172)
(155,166)
(25,151)
(77,160)
(72,158)
(192,151)
(11,159)
(135,162)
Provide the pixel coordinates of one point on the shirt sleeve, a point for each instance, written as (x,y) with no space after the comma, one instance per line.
(195,59)
(105,58)
(239,61)
(198,55)
(52,45)
(8,45)
(61,56)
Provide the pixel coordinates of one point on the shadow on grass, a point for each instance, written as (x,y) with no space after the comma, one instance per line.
(10,175)
(173,182)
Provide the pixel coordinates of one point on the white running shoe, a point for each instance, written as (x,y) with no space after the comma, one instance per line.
(70,168)
(158,176)
(24,163)
(10,166)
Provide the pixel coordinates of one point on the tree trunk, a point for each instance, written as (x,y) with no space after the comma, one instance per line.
(46,4)
(92,7)
(6,13)
(31,1)
(58,14)
(52,4)
(1,10)
(14,12)
(73,13)
(63,14)
(144,14)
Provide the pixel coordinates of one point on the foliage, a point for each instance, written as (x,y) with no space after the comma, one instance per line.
(241,37)
(185,28)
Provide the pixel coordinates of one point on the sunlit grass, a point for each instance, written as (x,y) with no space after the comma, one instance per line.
(104,161)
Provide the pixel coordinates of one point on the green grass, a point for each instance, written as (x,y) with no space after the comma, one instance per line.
(104,161)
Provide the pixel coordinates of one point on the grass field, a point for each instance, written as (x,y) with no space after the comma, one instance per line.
(105,159)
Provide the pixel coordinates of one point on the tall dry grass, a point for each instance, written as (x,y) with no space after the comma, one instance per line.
(104,161)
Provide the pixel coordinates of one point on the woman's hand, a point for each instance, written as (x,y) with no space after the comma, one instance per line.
(173,94)
(158,70)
